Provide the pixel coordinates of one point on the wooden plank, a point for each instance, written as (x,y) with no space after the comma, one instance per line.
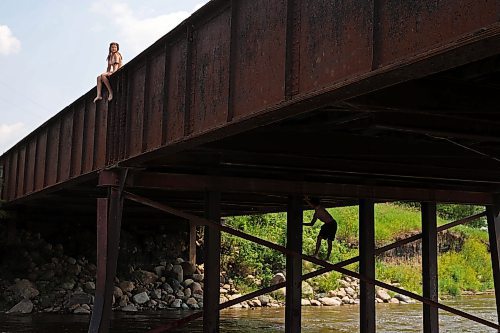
(430,266)
(367,265)
(293,304)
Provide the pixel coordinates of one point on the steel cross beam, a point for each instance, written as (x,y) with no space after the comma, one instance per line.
(176,182)
(282,249)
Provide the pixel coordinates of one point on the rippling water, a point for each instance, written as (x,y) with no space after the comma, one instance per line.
(391,318)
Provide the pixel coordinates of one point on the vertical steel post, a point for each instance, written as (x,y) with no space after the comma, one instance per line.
(493,217)
(293,266)
(109,216)
(211,291)
(430,266)
(192,243)
(367,265)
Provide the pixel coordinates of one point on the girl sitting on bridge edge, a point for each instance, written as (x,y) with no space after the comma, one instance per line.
(114,60)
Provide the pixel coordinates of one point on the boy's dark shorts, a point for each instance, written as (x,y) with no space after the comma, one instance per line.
(328,231)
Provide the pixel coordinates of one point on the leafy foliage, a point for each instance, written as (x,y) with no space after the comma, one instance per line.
(469,269)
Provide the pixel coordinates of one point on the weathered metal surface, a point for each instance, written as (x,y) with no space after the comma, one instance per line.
(77,139)
(189,182)
(259,56)
(411,27)
(430,266)
(236,65)
(493,217)
(211,294)
(335,41)
(210,73)
(176,59)
(153,125)
(367,322)
(65,147)
(136,111)
(293,314)
(89,137)
(41,150)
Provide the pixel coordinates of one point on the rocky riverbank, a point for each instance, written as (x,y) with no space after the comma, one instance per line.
(40,277)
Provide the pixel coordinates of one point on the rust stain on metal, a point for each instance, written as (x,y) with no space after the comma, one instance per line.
(336,41)
(259,77)
(407,27)
(176,92)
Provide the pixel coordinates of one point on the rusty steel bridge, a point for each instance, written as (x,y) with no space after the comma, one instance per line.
(249,105)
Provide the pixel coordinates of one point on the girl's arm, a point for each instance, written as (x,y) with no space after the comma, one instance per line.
(312,221)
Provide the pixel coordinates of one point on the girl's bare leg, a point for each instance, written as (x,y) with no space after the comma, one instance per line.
(318,244)
(106,83)
(329,249)
(99,86)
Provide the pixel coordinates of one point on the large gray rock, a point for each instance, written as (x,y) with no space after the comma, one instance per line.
(278,278)
(383,295)
(177,303)
(403,298)
(89,287)
(178,273)
(196,288)
(24,289)
(78,298)
(145,277)
(330,301)
(25,306)
(264,300)
(141,298)
(127,286)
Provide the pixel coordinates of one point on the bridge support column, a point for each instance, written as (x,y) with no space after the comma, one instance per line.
(367,265)
(493,217)
(109,216)
(293,266)
(430,266)
(211,290)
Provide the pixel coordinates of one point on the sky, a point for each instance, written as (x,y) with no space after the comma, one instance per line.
(51,51)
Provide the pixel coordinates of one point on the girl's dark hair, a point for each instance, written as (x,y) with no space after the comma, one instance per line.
(111,44)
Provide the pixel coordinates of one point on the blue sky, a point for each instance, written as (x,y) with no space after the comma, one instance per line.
(52,50)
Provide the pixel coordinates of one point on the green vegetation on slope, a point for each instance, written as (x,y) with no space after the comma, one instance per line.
(469,269)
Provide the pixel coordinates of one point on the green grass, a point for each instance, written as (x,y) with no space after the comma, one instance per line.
(469,269)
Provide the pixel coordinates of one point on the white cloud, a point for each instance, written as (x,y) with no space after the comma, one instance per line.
(10,134)
(135,32)
(8,43)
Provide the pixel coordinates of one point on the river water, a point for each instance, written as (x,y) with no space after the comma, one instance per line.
(391,318)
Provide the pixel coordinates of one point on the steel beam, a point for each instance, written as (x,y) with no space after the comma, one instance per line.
(187,182)
(430,266)
(109,216)
(367,265)
(493,217)
(293,304)
(211,291)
